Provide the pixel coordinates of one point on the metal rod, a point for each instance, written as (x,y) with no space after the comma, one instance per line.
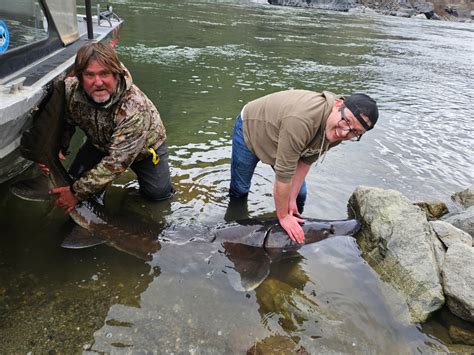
(90,31)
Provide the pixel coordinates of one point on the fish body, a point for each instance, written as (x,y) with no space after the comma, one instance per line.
(271,237)
(252,246)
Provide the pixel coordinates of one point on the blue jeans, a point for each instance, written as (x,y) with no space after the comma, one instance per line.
(243,165)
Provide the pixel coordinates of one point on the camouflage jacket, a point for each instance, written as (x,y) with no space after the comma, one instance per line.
(125,128)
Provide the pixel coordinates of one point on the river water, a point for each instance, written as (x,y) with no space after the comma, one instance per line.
(200,62)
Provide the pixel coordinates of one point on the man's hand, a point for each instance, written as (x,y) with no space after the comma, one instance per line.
(64,198)
(291,225)
(293,208)
(44,168)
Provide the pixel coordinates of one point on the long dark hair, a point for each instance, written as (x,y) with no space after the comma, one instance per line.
(103,53)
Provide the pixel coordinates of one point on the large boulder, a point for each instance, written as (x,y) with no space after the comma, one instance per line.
(465,198)
(396,240)
(458,280)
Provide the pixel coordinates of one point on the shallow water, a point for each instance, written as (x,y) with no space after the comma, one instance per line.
(200,62)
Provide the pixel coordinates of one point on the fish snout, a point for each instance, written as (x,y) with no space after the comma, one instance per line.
(347,227)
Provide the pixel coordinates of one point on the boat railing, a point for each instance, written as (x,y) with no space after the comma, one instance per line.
(106,15)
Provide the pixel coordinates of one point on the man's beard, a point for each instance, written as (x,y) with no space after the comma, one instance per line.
(101,100)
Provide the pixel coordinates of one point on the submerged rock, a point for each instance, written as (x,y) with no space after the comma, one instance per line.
(461,335)
(277,344)
(396,240)
(458,331)
(433,209)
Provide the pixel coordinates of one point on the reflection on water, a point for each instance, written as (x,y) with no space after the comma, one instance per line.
(316,298)
(200,62)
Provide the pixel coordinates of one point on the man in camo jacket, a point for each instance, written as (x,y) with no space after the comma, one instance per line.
(123,130)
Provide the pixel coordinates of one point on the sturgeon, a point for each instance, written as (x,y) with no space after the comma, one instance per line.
(251,245)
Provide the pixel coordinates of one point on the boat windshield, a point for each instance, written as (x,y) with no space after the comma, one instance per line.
(22,22)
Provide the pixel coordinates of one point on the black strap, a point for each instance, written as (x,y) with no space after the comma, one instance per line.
(356,112)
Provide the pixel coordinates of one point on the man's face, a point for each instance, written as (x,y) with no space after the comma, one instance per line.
(99,82)
(337,129)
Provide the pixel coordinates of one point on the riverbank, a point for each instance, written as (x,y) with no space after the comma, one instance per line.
(419,9)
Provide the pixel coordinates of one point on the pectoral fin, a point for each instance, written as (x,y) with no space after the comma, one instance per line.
(81,238)
(34,189)
(251,266)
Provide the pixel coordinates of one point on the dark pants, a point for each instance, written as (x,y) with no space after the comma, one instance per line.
(154,180)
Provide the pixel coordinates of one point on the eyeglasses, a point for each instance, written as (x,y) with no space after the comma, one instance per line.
(344,125)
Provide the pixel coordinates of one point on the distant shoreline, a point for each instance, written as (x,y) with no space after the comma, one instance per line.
(421,9)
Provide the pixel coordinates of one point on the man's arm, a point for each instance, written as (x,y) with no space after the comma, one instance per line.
(290,223)
(302,170)
(127,141)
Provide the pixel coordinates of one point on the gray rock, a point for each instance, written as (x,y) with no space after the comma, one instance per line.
(449,234)
(458,280)
(361,10)
(465,198)
(422,6)
(463,220)
(403,12)
(421,16)
(336,5)
(396,240)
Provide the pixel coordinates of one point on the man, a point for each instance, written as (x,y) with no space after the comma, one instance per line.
(290,130)
(123,130)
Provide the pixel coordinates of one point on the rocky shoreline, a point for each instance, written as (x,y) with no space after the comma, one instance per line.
(401,8)
(425,252)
